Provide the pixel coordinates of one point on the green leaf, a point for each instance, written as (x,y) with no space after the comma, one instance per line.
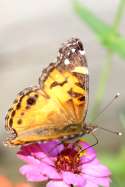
(98,26)
(116,43)
(105,33)
(116,164)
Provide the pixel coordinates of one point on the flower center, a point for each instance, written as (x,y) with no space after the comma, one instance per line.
(68,160)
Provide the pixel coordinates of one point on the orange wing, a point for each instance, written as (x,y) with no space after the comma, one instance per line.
(58,106)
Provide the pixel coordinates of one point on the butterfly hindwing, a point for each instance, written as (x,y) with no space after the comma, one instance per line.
(33,118)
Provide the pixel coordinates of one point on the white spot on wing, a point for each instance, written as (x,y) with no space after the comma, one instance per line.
(73,50)
(82,52)
(66,62)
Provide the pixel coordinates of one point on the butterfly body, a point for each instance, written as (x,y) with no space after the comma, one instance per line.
(57,107)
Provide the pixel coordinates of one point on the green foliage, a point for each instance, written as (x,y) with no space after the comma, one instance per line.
(116,163)
(106,34)
(110,39)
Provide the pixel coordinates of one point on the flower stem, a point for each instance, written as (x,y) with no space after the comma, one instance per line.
(107,66)
(119,15)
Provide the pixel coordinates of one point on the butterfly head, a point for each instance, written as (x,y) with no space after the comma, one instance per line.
(89,128)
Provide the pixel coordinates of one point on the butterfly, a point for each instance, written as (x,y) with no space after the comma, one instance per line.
(57,107)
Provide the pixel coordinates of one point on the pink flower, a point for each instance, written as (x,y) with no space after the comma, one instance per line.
(63,165)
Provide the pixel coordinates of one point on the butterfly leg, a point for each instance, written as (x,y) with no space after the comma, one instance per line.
(82,151)
(65,141)
(74,140)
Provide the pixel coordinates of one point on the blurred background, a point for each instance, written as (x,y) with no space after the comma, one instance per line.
(31,33)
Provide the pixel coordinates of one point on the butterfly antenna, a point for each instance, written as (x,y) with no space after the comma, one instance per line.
(108,130)
(107,106)
(102,111)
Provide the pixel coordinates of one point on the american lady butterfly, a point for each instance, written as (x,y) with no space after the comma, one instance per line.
(57,107)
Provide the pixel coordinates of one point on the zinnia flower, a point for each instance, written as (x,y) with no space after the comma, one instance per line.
(63,165)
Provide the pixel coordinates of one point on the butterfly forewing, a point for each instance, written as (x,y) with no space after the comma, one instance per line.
(67,80)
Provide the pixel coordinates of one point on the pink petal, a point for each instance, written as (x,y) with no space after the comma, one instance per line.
(89,154)
(28,159)
(49,171)
(96,173)
(52,148)
(96,169)
(43,169)
(71,178)
(32,173)
(103,181)
(90,184)
(57,184)
(33,154)
(30,148)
